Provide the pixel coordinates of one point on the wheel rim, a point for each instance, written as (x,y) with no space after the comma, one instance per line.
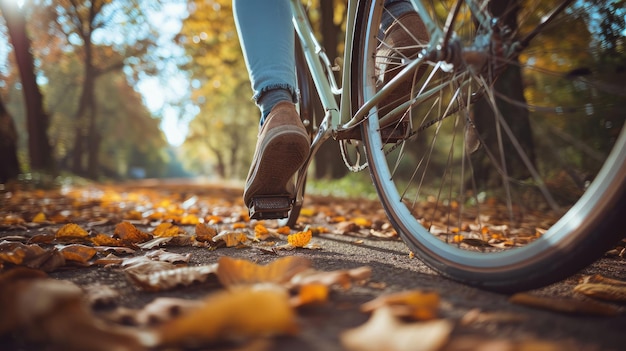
(601,194)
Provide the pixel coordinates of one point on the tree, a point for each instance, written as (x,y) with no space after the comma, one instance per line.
(9,165)
(39,150)
(79,22)
(509,84)
(222,135)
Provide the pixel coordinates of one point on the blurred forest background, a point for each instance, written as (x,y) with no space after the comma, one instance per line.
(118,89)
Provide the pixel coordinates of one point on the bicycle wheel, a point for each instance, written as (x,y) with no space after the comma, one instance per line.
(511,173)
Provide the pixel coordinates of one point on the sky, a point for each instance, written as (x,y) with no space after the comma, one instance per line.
(159,93)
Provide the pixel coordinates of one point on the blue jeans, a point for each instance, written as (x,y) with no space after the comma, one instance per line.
(267,39)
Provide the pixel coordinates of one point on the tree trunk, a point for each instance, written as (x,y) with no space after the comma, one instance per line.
(9,165)
(39,149)
(510,85)
(328,161)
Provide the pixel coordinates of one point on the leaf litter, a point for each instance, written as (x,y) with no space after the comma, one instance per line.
(257,300)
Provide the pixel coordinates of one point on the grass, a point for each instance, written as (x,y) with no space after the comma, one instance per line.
(353,185)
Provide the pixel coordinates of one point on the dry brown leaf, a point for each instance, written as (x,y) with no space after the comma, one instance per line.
(566,305)
(477,343)
(343,278)
(476,316)
(71,230)
(205,232)
(78,253)
(383,331)
(170,278)
(105,240)
(231,238)
(600,279)
(127,232)
(53,312)
(100,294)
(232,272)
(415,304)
(160,310)
(606,292)
(172,257)
(241,313)
(32,256)
(166,229)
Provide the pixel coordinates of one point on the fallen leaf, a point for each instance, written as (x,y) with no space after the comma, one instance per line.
(232,272)
(299,239)
(310,294)
(476,316)
(105,240)
(606,292)
(160,310)
(71,230)
(415,304)
(343,278)
(127,232)
(383,331)
(167,229)
(205,232)
(566,305)
(78,253)
(33,256)
(165,279)
(237,314)
(231,238)
(39,218)
(52,312)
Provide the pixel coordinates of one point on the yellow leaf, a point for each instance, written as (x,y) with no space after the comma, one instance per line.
(39,218)
(235,314)
(239,225)
(300,239)
(307,212)
(260,232)
(310,294)
(284,230)
(232,271)
(415,304)
(105,240)
(127,232)
(166,229)
(457,238)
(189,219)
(71,230)
(231,238)
(362,222)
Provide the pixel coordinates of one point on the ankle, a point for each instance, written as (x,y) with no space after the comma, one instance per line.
(270,98)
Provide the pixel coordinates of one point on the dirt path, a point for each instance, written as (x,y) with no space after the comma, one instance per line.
(480,320)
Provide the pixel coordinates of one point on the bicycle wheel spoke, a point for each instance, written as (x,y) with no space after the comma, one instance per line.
(515,123)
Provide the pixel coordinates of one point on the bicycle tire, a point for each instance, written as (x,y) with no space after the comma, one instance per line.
(590,223)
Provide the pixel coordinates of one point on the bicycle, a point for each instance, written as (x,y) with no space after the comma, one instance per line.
(453,166)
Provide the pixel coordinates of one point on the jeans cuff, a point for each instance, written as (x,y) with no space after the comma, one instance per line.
(287,87)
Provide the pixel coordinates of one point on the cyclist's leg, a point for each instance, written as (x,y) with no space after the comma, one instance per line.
(267,40)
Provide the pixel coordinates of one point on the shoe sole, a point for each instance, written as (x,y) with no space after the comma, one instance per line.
(280,158)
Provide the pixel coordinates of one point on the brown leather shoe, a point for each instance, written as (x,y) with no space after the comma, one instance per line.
(404,39)
(281,149)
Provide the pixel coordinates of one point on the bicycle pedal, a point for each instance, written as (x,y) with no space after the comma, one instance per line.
(270,207)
